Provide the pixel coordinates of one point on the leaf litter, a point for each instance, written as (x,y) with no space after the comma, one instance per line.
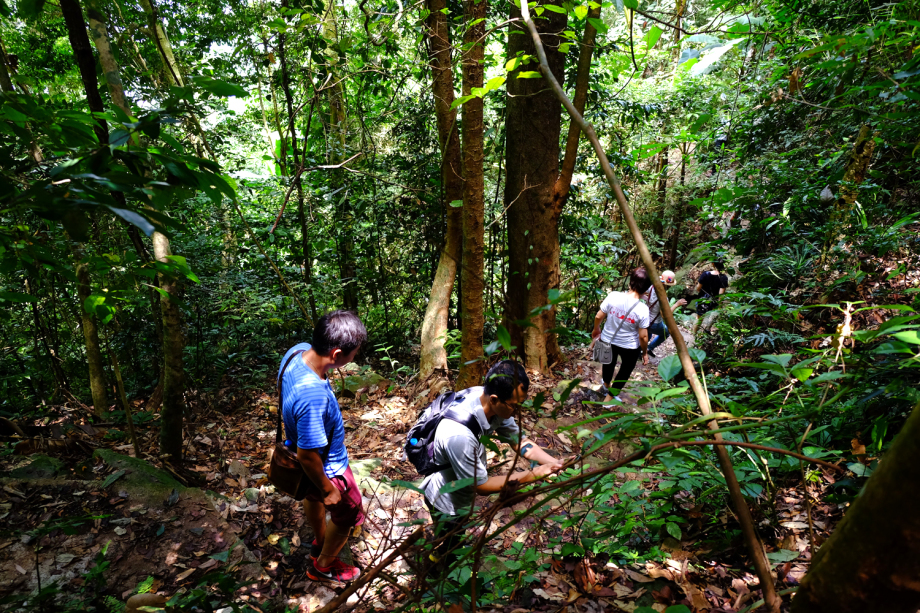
(241,519)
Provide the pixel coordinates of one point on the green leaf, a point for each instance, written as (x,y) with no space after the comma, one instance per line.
(909,336)
(802,374)
(92,301)
(781,556)
(453,486)
(285,546)
(631,4)
(17,297)
(651,39)
(529,74)
(135,219)
(460,101)
(554,8)
(223,556)
(504,337)
(860,470)
(782,360)
(697,355)
(678,608)
(456,203)
(827,376)
(673,529)
(599,25)
(218,87)
(494,83)
(571,549)
(669,366)
(113,478)
(407,485)
(708,61)
(581,11)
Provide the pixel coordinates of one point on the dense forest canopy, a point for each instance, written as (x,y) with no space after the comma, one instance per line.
(186,187)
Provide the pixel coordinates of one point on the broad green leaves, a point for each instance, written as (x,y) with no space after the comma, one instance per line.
(708,60)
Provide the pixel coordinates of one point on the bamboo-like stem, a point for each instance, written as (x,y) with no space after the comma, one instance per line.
(123,399)
(755,547)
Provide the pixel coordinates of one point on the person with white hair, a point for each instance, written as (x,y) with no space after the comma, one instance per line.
(656,325)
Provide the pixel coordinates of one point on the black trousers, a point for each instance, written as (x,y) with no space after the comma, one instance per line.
(628,359)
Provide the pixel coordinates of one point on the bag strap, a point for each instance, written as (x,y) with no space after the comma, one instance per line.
(658,316)
(622,321)
(469,421)
(280,399)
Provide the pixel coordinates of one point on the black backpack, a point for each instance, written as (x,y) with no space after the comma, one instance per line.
(420,439)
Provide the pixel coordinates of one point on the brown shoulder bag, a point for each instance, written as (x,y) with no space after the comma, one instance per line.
(284,470)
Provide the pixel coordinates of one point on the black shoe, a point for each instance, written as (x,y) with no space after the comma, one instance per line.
(651,354)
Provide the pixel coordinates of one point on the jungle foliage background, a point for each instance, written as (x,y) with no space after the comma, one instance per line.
(186,186)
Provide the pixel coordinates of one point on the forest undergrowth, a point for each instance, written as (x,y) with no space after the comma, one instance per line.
(693,563)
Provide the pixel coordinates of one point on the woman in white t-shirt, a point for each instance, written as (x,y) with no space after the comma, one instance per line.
(625,334)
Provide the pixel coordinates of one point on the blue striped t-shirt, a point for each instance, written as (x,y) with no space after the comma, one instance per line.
(311,414)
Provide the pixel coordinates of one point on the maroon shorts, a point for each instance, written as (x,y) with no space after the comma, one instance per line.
(349,511)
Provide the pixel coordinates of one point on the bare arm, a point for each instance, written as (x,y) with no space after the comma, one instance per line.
(535,453)
(643,344)
(600,317)
(312,464)
(548,466)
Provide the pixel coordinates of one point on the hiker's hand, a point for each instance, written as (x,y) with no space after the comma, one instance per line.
(680,303)
(544,470)
(332,498)
(645,359)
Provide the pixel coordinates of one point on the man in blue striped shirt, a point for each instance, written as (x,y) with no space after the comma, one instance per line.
(315,430)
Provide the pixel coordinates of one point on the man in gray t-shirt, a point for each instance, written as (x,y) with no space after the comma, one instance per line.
(456,447)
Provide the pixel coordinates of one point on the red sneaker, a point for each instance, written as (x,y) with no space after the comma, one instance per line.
(338,571)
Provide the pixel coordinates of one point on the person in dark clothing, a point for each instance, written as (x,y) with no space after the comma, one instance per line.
(709,287)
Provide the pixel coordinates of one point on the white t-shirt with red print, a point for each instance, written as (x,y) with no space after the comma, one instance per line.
(617,306)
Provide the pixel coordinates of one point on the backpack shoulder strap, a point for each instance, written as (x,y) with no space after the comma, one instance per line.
(280,399)
(469,421)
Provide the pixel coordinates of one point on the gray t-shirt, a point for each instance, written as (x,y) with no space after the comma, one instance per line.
(455,445)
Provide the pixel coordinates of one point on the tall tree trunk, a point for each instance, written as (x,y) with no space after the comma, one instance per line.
(173,409)
(97,382)
(871,563)
(532,127)
(79,42)
(434,324)
(97,28)
(471,274)
(345,219)
(172,389)
(172,70)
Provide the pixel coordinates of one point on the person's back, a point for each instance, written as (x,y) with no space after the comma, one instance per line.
(458,449)
(463,456)
(713,283)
